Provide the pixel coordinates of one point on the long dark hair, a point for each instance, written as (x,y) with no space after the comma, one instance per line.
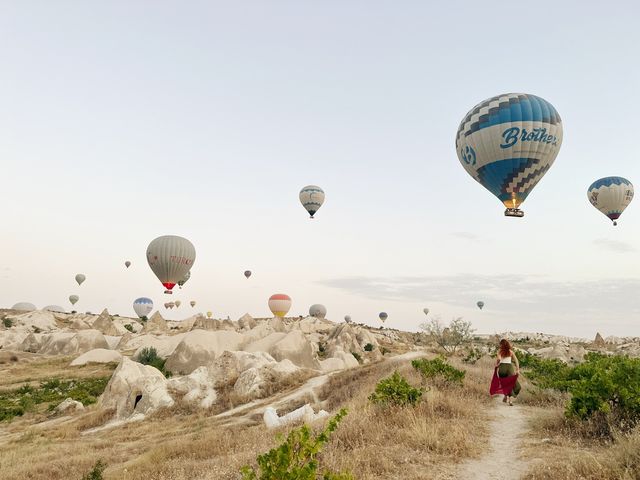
(505,348)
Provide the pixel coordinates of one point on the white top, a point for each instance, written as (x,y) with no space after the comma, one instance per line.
(505,360)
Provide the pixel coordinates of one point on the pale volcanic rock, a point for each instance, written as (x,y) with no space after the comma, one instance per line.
(105,325)
(200,348)
(195,388)
(98,355)
(69,405)
(156,324)
(135,389)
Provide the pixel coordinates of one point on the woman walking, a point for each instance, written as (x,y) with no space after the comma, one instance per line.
(505,375)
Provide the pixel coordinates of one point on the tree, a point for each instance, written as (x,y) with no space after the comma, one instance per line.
(449,337)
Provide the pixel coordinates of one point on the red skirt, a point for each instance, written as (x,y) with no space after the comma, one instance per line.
(502,386)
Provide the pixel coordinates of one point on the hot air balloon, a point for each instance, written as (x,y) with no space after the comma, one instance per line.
(170,257)
(184,279)
(317,311)
(279,304)
(143,306)
(192,303)
(426,311)
(247,273)
(347,318)
(171,305)
(209,314)
(73,299)
(383,316)
(507,143)
(24,306)
(480,304)
(611,195)
(177,303)
(80,278)
(166,305)
(312,198)
(127,264)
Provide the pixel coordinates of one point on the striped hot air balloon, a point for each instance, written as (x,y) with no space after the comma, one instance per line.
(171,258)
(611,195)
(279,304)
(507,143)
(143,306)
(312,198)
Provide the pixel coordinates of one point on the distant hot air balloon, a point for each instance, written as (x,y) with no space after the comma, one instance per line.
(507,143)
(312,198)
(184,279)
(171,305)
(317,311)
(127,264)
(166,305)
(383,316)
(209,314)
(80,278)
(170,257)
(24,306)
(73,299)
(177,303)
(426,311)
(143,306)
(480,304)
(192,303)
(247,273)
(279,304)
(611,195)
(347,318)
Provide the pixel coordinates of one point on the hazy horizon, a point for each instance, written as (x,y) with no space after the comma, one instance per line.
(124,121)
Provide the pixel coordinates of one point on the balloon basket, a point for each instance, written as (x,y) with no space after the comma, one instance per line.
(168,292)
(513,212)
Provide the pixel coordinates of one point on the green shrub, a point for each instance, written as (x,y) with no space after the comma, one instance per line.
(438,367)
(149,356)
(545,372)
(296,458)
(14,403)
(96,471)
(7,322)
(473,355)
(368,347)
(143,319)
(384,350)
(395,390)
(606,385)
(129,327)
(357,356)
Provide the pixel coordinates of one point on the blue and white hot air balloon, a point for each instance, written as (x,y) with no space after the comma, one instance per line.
(143,306)
(507,143)
(312,198)
(611,195)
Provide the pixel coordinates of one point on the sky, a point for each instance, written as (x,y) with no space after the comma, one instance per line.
(126,120)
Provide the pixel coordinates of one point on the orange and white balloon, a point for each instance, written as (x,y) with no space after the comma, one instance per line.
(279,304)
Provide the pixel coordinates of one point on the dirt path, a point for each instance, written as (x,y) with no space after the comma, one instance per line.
(503,460)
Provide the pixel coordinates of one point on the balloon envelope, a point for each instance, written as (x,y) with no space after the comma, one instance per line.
(209,314)
(127,264)
(177,303)
(507,143)
(312,198)
(383,316)
(480,304)
(611,195)
(347,318)
(279,304)
(192,303)
(426,311)
(73,299)
(170,258)
(143,306)
(24,306)
(247,273)
(317,311)
(80,278)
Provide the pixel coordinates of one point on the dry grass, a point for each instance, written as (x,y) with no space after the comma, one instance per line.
(567,449)
(411,443)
